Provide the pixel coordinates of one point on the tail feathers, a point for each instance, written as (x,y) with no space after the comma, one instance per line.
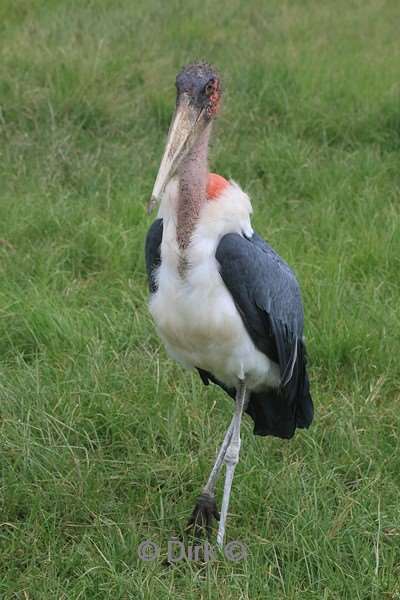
(279,412)
(272,415)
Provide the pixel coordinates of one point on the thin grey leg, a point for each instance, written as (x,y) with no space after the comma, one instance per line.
(209,488)
(231,457)
(205,509)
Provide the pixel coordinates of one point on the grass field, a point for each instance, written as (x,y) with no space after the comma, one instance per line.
(104,441)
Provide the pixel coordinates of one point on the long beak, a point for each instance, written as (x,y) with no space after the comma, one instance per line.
(184,129)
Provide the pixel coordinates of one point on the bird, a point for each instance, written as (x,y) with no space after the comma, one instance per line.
(223,301)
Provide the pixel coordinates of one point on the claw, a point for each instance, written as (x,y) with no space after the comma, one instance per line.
(202,516)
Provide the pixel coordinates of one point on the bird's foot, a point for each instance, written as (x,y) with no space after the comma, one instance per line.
(202,516)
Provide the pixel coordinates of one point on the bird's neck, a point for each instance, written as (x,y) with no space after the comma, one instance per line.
(193,175)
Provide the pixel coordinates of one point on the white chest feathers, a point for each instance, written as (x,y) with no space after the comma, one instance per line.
(195,315)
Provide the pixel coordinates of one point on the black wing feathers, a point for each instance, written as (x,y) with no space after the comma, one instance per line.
(153,252)
(268,299)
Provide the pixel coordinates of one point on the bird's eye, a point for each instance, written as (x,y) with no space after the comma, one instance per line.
(208,90)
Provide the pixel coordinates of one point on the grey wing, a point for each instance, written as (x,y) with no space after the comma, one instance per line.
(267,296)
(153,252)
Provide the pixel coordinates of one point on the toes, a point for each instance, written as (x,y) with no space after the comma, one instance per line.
(193,522)
(201,519)
(196,522)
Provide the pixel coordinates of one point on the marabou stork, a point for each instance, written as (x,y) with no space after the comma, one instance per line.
(223,301)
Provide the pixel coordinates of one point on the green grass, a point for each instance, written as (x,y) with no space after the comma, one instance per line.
(104,441)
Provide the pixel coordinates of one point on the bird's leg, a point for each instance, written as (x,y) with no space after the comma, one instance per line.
(231,457)
(206,508)
(209,488)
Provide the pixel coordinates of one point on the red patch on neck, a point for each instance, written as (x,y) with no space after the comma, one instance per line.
(216,184)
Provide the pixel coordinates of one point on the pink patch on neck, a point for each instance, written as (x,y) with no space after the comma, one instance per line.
(216,184)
